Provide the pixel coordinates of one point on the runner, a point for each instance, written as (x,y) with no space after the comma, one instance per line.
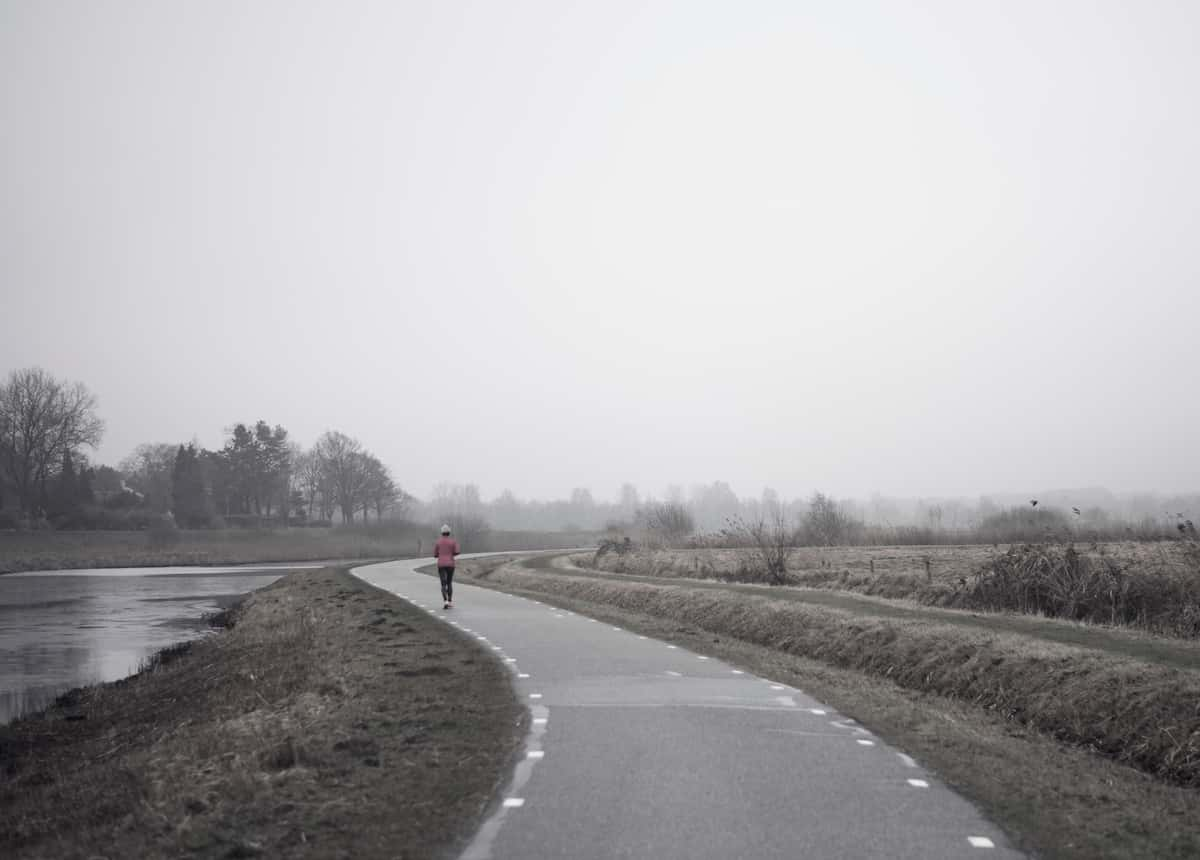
(444,551)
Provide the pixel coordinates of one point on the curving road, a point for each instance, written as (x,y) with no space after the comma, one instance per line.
(640,749)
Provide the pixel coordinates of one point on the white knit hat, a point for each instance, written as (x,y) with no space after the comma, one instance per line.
(445,530)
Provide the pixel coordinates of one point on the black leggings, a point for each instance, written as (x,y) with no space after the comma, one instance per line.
(446,575)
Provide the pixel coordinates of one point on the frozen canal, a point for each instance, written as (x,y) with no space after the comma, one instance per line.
(61,629)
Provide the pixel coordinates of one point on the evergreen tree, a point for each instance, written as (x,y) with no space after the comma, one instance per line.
(64,498)
(188,493)
(84,494)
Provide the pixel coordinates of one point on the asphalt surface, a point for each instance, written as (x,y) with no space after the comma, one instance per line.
(641,749)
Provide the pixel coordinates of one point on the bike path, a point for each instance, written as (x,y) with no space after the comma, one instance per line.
(642,749)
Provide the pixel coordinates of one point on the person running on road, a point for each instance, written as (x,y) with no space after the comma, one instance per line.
(444,551)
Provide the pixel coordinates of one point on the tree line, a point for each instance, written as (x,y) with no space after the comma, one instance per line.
(259,475)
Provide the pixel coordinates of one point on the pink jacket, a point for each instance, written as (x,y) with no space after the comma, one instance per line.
(444,551)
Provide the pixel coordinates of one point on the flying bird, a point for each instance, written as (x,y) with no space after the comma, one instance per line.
(1033,502)
(1076,510)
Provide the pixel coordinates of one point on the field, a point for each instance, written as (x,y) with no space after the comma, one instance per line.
(331,721)
(63,550)
(1154,586)
(886,571)
(1081,741)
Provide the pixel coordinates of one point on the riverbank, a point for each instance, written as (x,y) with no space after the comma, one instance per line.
(331,720)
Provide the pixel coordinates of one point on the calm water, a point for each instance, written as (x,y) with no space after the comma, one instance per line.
(66,628)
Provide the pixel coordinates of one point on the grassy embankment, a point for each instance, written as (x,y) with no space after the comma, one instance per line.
(1076,750)
(332,720)
(49,550)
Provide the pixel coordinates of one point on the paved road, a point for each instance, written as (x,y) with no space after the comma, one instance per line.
(640,749)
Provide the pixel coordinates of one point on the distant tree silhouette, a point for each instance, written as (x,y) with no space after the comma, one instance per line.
(190,501)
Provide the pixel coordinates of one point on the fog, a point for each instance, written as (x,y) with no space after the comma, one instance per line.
(856,247)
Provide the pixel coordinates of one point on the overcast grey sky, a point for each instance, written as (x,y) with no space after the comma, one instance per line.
(940,248)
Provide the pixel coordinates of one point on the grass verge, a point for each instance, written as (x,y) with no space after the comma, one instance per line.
(331,721)
(1058,800)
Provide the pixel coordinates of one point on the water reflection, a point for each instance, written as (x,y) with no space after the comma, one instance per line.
(62,629)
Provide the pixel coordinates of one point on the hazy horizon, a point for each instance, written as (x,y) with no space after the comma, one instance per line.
(934,252)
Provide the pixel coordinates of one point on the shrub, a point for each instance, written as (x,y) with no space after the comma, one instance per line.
(1056,581)
(618,547)
(773,540)
(827,524)
(669,522)
(245,521)
(103,518)
(1027,525)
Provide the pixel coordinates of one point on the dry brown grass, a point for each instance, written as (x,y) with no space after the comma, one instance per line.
(331,721)
(932,575)
(1059,581)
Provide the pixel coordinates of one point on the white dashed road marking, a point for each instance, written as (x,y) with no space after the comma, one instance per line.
(676,674)
(523,675)
(918,783)
(866,743)
(535,695)
(514,802)
(981,842)
(535,754)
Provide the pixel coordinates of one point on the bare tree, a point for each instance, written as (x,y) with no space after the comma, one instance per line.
(41,420)
(308,477)
(344,468)
(468,529)
(460,507)
(670,521)
(827,524)
(772,537)
(380,491)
